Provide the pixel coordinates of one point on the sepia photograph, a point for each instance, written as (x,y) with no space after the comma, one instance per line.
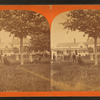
(24,51)
(75,51)
(34,57)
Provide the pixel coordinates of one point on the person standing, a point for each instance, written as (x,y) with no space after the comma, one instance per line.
(80,61)
(54,57)
(74,57)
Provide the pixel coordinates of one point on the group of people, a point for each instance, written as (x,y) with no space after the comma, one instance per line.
(4,60)
(77,58)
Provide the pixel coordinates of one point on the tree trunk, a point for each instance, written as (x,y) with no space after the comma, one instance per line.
(95,51)
(21,51)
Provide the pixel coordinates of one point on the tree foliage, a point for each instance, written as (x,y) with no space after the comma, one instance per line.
(22,23)
(41,42)
(86,21)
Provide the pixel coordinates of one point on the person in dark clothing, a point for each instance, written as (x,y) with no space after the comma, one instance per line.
(54,57)
(80,61)
(74,57)
(6,62)
(65,57)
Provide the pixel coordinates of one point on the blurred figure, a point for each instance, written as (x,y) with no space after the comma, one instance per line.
(54,57)
(80,61)
(65,57)
(6,62)
(74,57)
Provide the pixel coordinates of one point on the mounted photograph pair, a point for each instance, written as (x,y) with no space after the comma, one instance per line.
(49,48)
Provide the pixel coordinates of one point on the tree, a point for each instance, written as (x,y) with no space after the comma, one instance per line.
(21,23)
(87,21)
(41,40)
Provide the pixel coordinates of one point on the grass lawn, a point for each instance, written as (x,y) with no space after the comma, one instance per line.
(29,77)
(69,76)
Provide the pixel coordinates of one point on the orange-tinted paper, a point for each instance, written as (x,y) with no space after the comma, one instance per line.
(49,12)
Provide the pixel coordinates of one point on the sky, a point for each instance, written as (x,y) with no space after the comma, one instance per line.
(4,36)
(7,37)
(60,35)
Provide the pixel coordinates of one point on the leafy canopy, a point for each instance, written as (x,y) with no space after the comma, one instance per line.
(22,23)
(87,21)
(41,42)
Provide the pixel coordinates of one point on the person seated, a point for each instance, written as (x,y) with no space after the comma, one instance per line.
(6,62)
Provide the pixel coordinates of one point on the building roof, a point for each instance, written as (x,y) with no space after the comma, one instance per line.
(70,49)
(69,44)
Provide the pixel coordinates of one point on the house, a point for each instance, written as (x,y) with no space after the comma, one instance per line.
(16,42)
(77,48)
(90,43)
(6,48)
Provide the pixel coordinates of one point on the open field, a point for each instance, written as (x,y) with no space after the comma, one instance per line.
(69,76)
(29,77)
